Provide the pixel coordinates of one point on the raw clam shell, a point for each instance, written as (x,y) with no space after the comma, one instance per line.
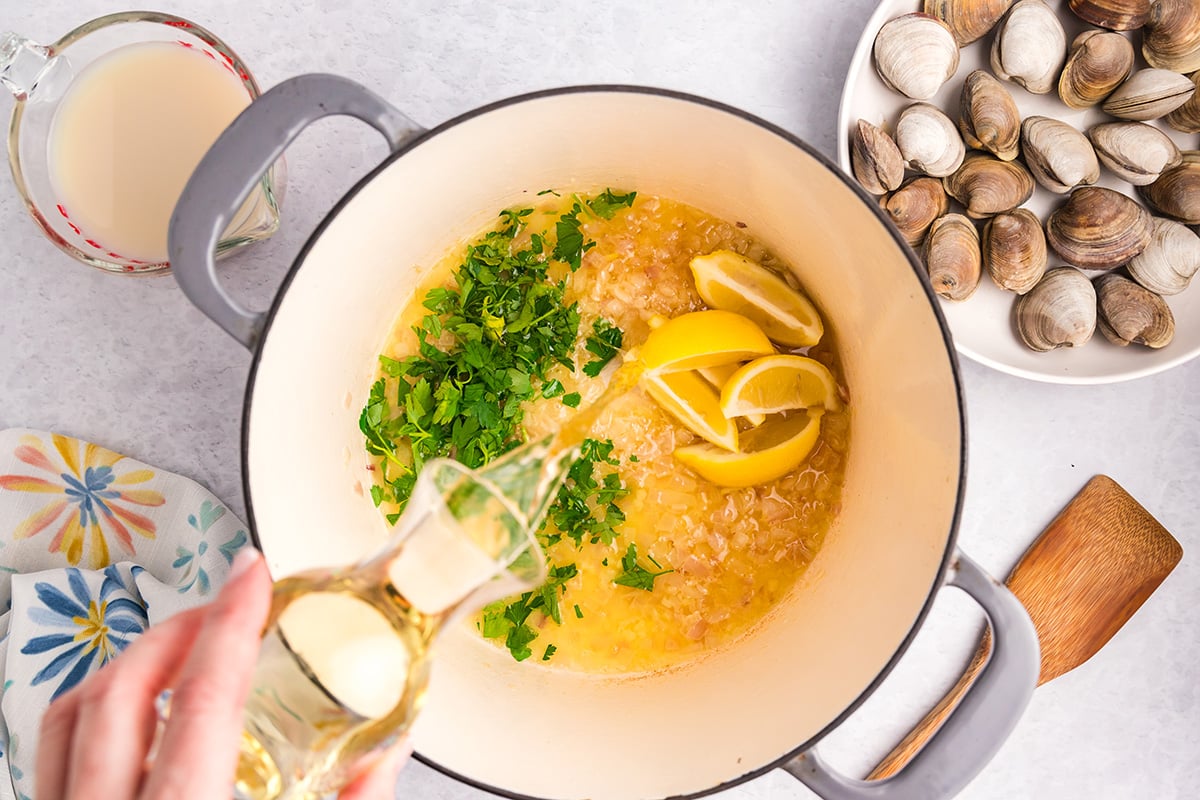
(914,206)
(1060,157)
(1099,62)
(1176,193)
(1149,94)
(952,257)
(1098,228)
(1134,151)
(1060,311)
(1116,15)
(1171,36)
(1186,118)
(1168,263)
(1131,314)
(1030,47)
(915,54)
(968,19)
(988,116)
(875,159)
(929,141)
(1014,250)
(986,185)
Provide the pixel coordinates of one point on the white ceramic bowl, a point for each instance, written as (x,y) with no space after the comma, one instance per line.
(982,326)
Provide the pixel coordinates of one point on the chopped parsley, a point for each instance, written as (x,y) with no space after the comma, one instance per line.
(604,343)
(508,325)
(485,348)
(510,619)
(550,590)
(570,246)
(609,202)
(585,509)
(634,574)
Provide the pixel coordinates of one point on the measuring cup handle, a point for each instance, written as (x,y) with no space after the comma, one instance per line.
(974,731)
(232,168)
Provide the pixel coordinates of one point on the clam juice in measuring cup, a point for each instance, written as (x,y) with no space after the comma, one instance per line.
(127,135)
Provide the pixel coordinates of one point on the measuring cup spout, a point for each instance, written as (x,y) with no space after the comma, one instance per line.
(23,64)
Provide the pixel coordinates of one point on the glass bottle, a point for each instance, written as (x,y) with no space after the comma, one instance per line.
(346,653)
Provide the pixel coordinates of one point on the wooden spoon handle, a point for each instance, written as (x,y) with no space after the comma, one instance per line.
(902,753)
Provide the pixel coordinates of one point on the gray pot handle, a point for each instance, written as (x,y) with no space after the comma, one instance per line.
(976,729)
(234,165)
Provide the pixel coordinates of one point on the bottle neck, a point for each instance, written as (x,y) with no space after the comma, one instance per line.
(529,476)
(467,537)
(23,63)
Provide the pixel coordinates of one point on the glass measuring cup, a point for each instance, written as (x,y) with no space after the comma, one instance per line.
(40,77)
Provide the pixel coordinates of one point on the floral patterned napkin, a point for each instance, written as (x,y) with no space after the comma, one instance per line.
(94,547)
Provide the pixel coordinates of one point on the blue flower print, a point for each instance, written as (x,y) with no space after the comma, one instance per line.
(95,629)
(194,574)
(91,492)
(15,771)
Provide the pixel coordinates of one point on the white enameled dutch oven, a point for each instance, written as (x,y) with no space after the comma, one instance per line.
(523,730)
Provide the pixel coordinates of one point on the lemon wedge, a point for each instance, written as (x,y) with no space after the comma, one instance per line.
(716,376)
(687,397)
(703,339)
(730,281)
(778,383)
(719,376)
(769,452)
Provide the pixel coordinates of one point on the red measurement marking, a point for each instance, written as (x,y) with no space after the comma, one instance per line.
(243,75)
(135,261)
(63,211)
(94,244)
(209,54)
(178,24)
(229,69)
(227,57)
(114,255)
(185,44)
(75,228)
(127,267)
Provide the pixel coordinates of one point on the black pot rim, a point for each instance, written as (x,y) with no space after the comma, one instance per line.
(869,201)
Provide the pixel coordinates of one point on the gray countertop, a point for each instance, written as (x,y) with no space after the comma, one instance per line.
(131,364)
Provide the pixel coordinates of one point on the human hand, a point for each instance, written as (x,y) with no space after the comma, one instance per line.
(95,738)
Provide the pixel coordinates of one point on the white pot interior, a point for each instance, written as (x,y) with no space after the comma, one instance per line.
(537,731)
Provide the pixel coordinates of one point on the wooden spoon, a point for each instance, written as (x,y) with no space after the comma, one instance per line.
(1083,578)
